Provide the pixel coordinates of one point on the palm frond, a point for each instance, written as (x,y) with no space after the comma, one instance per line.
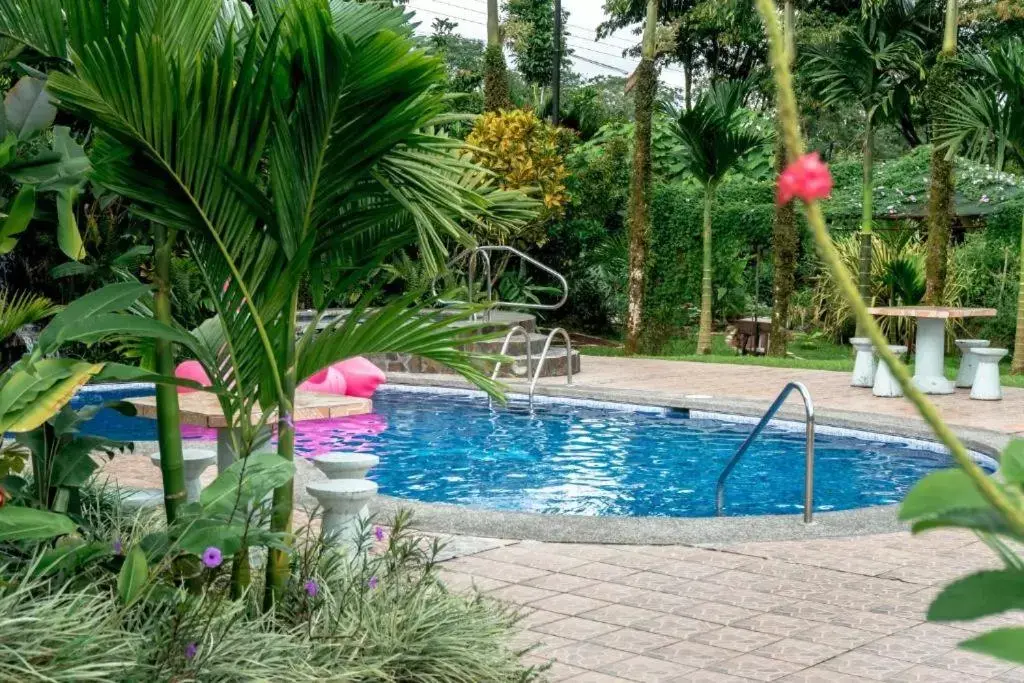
(38,25)
(20,309)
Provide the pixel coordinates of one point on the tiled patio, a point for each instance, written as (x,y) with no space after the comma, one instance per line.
(830,610)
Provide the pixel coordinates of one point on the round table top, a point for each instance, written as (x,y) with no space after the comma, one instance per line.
(939,312)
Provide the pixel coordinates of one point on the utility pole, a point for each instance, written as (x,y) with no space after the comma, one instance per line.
(556,76)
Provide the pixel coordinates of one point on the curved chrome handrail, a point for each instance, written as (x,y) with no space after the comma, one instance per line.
(809,456)
(544,357)
(504,348)
(486,250)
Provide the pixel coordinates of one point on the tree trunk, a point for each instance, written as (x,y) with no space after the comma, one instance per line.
(640,183)
(496,88)
(284,496)
(941,183)
(168,420)
(704,333)
(556,76)
(785,241)
(688,85)
(1017,366)
(864,263)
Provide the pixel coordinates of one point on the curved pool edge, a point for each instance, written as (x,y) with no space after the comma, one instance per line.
(446,518)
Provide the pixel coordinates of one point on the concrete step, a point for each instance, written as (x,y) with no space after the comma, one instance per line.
(554,366)
(516,347)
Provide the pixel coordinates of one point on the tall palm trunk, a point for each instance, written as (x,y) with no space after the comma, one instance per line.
(704,333)
(1017,366)
(864,263)
(640,183)
(168,420)
(785,241)
(284,496)
(941,183)
(496,88)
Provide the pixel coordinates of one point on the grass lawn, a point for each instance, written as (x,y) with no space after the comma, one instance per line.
(805,351)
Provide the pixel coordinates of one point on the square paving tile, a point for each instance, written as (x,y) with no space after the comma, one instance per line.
(692,654)
(930,674)
(738,639)
(805,609)
(586,655)
(554,671)
(775,624)
(908,649)
(871,621)
(622,615)
(647,669)
(567,603)
(817,674)
(866,665)
(596,677)
(837,636)
(520,595)
(537,559)
(755,667)
(534,617)
(601,571)
(503,571)
(971,663)
(705,676)
(563,583)
(576,628)
(675,626)
(799,651)
(633,640)
(717,612)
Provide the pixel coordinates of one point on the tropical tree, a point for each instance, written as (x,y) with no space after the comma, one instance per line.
(717,134)
(870,64)
(290,144)
(940,184)
(497,95)
(983,115)
(646,87)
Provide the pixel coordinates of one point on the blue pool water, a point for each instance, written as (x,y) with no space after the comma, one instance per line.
(571,459)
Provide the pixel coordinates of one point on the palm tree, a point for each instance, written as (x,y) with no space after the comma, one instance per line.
(869,65)
(984,116)
(325,173)
(717,134)
(496,87)
(646,85)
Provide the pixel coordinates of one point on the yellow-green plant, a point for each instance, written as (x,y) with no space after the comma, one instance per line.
(966,497)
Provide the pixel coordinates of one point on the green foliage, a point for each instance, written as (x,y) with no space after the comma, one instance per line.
(529,29)
(949,498)
(18,310)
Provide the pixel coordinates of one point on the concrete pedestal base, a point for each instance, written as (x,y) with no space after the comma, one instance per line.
(986,382)
(864,363)
(885,385)
(196,462)
(342,500)
(346,465)
(968,361)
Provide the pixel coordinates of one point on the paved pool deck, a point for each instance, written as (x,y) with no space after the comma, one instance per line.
(842,609)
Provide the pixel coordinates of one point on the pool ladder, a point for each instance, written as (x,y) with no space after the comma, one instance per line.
(809,460)
(519,329)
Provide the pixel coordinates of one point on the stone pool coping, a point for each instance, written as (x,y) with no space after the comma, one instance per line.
(473,521)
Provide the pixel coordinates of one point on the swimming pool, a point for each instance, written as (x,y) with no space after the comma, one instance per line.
(587,458)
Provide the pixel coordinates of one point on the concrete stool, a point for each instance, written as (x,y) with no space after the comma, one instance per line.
(968,361)
(864,364)
(342,500)
(885,384)
(196,462)
(986,381)
(345,465)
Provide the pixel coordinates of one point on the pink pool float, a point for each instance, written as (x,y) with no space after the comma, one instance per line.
(361,376)
(327,381)
(193,370)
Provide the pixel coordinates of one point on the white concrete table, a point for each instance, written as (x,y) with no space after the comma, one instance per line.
(202,409)
(930,347)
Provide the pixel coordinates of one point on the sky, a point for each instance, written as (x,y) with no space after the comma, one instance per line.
(590,59)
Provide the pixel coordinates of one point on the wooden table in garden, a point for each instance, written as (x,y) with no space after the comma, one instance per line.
(202,409)
(930,347)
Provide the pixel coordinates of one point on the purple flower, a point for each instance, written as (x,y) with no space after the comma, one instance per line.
(212,557)
(312,588)
(118,547)
(379,533)
(190,650)
(286,421)
(372,583)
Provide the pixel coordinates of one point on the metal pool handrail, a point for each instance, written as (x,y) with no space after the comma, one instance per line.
(518,329)
(544,357)
(808,463)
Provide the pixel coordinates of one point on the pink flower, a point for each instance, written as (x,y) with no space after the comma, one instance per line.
(212,557)
(191,650)
(312,588)
(807,178)
(372,583)
(378,533)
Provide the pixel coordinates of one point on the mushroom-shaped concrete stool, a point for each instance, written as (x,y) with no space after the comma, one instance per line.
(885,384)
(968,361)
(986,381)
(864,362)
(196,462)
(342,501)
(346,465)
